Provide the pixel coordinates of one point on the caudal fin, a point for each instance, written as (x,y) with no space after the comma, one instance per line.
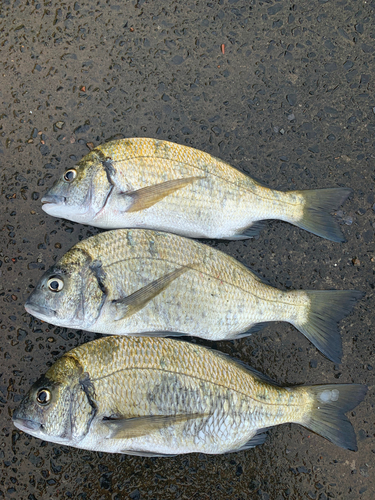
(327,308)
(316,214)
(327,416)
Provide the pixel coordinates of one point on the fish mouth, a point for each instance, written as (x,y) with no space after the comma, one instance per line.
(26,425)
(53,199)
(38,310)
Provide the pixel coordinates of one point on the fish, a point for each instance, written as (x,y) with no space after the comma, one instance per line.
(162,397)
(153,184)
(138,281)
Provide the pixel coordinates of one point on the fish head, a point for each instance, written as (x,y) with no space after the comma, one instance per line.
(81,192)
(46,410)
(68,294)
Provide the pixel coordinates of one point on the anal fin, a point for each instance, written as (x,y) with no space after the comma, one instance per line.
(254,441)
(248,232)
(253,329)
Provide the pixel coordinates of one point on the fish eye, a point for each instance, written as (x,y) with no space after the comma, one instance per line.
(43,397)
(55,284)
(70,175)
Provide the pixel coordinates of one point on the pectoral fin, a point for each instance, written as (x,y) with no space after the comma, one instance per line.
(146,197)
(136,301)
(128,428)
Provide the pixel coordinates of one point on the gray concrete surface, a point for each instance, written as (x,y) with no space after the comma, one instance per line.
(291,101)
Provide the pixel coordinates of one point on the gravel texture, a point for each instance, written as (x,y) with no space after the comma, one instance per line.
(284,92)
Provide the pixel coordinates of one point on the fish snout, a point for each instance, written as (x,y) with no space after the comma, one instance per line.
(53,198)
(24,424)
(37,309)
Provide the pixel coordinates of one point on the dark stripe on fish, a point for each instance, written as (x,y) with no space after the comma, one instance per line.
(89,390)
(107,197)
(97,268)
(74,250)
(109,170)
(107,164)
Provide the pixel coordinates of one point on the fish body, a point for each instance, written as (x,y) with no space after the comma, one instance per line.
(135,281)
(160,397)
(148,183)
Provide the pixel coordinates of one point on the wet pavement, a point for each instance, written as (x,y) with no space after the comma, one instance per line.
(284,92)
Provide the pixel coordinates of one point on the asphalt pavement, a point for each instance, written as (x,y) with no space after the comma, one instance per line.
(285,92)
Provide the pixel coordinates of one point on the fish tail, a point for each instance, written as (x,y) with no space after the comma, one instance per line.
(316,216)
(326,415)
(319,324)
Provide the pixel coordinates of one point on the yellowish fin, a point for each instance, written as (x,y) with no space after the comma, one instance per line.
(327,416)
(316,213)
(146,197)
(327,308)
(138,300)
(128,428)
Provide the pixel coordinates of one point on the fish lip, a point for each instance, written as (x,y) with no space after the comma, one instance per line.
(25,424)
(32,308)
(53,199)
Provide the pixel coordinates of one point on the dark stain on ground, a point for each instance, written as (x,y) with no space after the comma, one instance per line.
(290,101)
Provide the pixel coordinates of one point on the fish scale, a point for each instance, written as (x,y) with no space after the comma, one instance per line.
(145,162)
(113,247)
(212,384)
(153,397)
(184,305)
(191,159)
(153,184)
(136,281)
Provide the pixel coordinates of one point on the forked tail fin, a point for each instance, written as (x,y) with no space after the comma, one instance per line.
(327,307)
(316,213)
(327,415)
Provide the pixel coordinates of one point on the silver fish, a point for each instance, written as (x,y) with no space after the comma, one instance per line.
(148,183)
(162,397)
(139,281)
